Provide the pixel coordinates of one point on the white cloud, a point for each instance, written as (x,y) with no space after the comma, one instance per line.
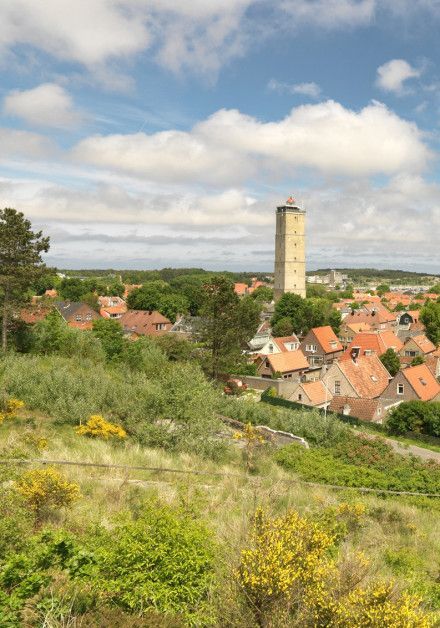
(305,89)
(331,13)
(46,105)
(229,147)
(393,74)
(23,144)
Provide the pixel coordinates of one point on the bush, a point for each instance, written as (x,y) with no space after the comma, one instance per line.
(46,489)
(163,561)
(415,416)
(98,427)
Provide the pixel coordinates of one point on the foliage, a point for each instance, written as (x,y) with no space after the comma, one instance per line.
(283,327)
(10,409)
(382,289)
(430,317)
(263,294)
(359,461)
(111,335)
(158,295)
(391,361)
(419,359)
(20,262)
(306,313)
(46,489)
(228,323)
(15,521)
(175,348)
(252,439)
(289,577)
(161,561)
(98,427)
(415,416)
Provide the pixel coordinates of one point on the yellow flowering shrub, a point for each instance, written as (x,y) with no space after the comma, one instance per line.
(10,409)
(289,577)
(286,554)
(98,427)
(251,438)
(44,489)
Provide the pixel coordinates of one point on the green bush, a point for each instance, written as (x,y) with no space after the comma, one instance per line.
(162,561)
(415,416)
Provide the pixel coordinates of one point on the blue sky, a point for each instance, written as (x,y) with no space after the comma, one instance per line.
(150,133)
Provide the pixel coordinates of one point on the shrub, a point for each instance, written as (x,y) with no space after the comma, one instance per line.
(98,427)
(163,561)
(45,489)
(415,416)
(10,409)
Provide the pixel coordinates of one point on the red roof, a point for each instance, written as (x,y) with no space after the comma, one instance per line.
(376,342)
(287,361)
(423,343)
(422,381)
(327,339)
(317,392)
(240,289)
(144,322)
(367,375)
(282,341)
(32,315)
(364,409)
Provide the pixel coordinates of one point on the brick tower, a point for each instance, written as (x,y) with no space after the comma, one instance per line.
(290,250)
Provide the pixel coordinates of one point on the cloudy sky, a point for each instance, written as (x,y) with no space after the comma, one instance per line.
(151,133)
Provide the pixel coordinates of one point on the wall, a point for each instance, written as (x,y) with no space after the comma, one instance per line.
(283,387)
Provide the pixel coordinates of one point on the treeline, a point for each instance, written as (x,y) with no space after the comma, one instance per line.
(359,275)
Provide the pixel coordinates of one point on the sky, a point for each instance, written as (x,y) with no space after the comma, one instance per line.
(152,133)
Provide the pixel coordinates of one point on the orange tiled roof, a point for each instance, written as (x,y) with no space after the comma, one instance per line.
(377,342)
(84,325)
(281,341)
(34,315)
(423,343)
(364,409)
(367,375)
(358,327)
(317,392)
(422,381)
(143,322)
(113,309)
(240,288)
(327,339)
(288,361)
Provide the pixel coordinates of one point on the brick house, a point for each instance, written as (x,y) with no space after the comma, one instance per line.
(414,382)
(313,394)
(321,346)
(144,323)
(348,332)
(76,314)
(289,364)
(416,346)
(376,316)
(364,377)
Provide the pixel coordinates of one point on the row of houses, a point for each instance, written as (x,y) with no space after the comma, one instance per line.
(348,377)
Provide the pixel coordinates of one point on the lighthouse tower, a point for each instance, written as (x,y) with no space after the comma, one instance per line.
(290,250)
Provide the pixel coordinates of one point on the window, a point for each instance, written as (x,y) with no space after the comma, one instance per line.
(78,318)
(311,348)
(160,326)
(368,352)
(411,354)
(88,317)
(271,348)
(337,387)
(400,389)
(300,397)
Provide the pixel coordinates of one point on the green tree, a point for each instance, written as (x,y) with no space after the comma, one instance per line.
(391,361)
(263,294)
(111,335)
(171,305)
(430,317)
(415,416)
(283,327)
(335,320)
(176,349)
(20,262)
(290,306)
(149,296)
(419,359)
(228,323)
(49,334)
(382,289)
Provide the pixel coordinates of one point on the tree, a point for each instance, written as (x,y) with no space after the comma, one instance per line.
(283,327)
(227,323)
(419,359)
(391,361)
(415,416)
(430,317)
(335,320)
(171,305)
(290,306)
(20,262)
(382,289)
(111,336)
(263,294)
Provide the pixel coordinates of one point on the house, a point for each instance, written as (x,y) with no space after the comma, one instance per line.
(378,342)
(376,316)
(144,323)
(313,394)
(414,382)
(321,346)
(364,377)
(348,332)
(187,327)
(373,410)
(34,314)
(51,293)
(288,364)
(416,346)
(76,314)
(110,301)
(279,345)
(240,289)
(432,361)
(261,337)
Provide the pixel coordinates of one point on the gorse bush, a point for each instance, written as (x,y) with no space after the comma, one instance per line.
(288,577)
(46,489)
(98,427)
(11,407)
